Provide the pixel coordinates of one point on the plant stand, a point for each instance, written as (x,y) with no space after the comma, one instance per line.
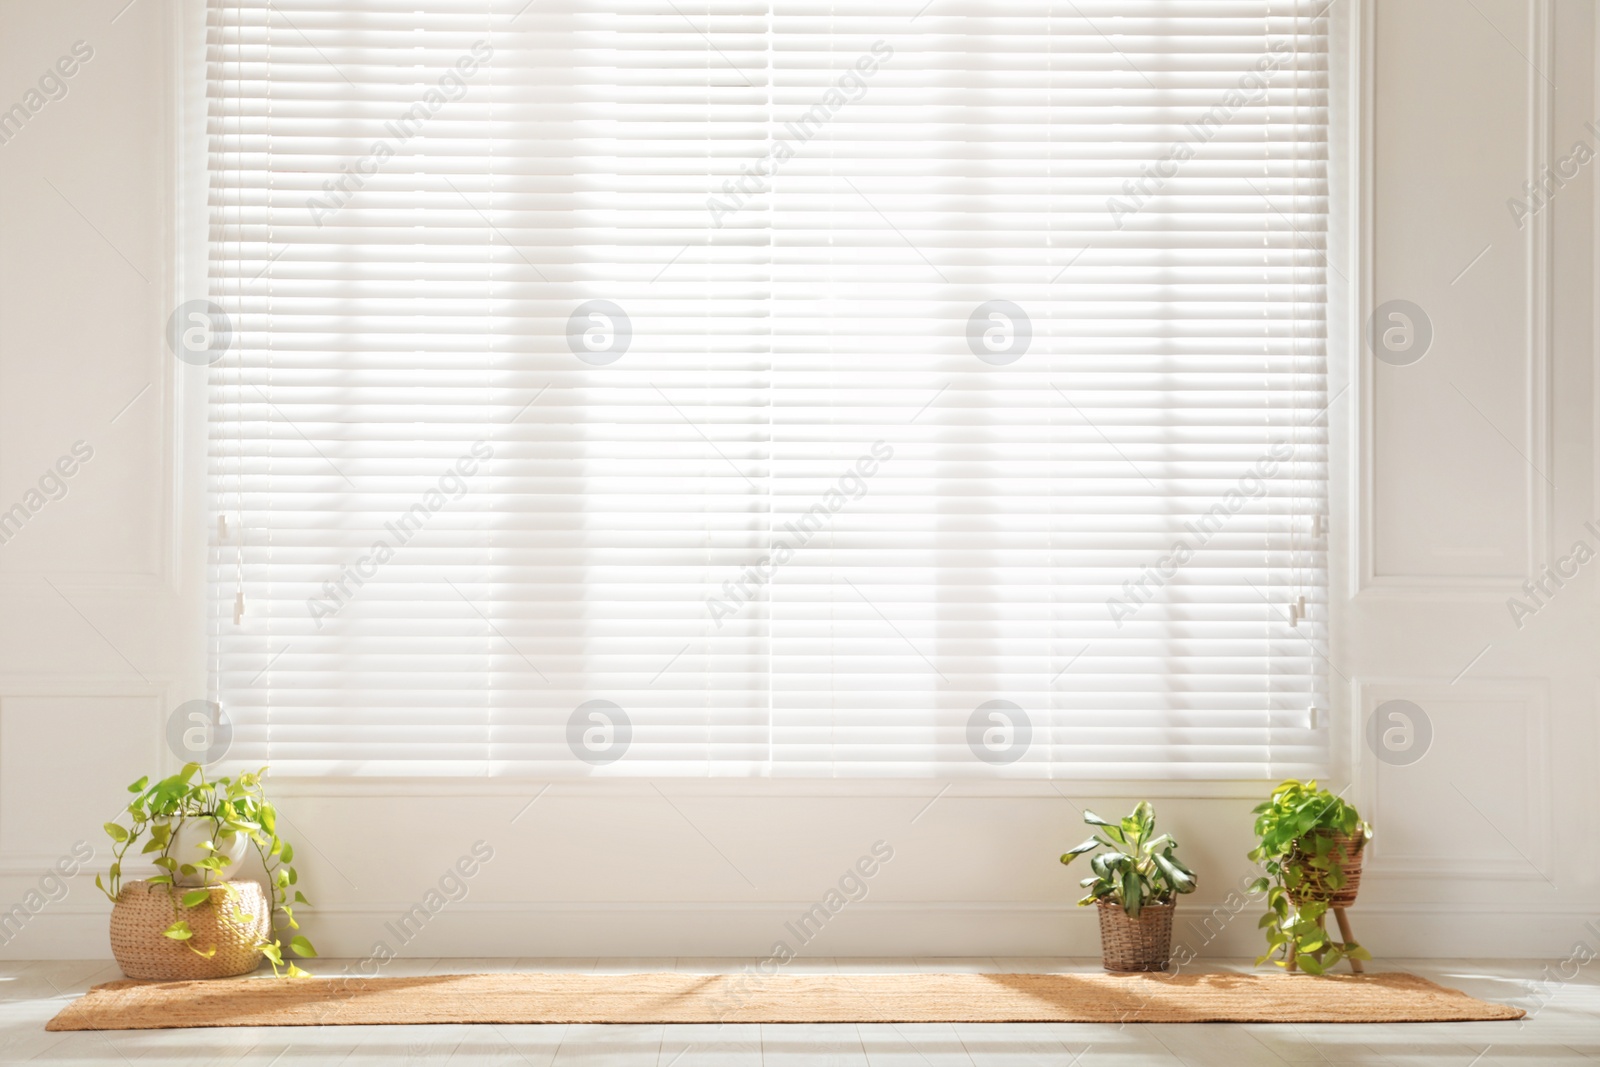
(1344,932)
(1347,936)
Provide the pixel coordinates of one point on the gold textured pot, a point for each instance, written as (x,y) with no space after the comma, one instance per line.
(1347,851)
(233,921)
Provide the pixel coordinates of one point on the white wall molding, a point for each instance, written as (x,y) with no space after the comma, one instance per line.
(46,779)
(1531,857)
(1188,908)
(86,685)
(645,929)
(1537,355)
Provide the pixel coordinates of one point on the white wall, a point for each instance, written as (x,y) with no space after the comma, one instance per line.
(1486,844)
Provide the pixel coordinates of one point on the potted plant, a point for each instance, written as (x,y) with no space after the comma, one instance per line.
(190,920)
(1135,884)
(1310,843)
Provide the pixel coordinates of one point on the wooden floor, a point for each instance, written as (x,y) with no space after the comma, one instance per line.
(1563,1029)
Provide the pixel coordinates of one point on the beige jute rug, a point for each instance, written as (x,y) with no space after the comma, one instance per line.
(745,998)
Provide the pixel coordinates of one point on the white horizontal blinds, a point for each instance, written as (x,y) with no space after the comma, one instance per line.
(982,156)
(673,434)
(851,375)
(352,149)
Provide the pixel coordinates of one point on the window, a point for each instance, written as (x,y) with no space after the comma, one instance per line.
(791,388)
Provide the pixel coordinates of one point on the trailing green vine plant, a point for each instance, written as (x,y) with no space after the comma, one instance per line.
(234,807)
(1296,847)
(1137,867)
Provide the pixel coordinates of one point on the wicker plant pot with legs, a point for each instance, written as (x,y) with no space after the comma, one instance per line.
(1135,944)
(1309,845)
(233,921)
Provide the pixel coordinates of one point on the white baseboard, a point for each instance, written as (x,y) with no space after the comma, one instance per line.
(868,928)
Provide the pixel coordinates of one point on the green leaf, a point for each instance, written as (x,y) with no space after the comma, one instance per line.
(160,879)
(1132,901)
(116,832)
(178,931)
(1112,867)
(139,785)
(287,853)
(299,898)
(1145,814)
(1309,964)
(1181,881)
(195,897)
(204,953)
(301,946)
(1113,831)
(1101,889)
(1078,850)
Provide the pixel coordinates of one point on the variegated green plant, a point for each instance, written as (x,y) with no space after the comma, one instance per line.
(1295,829)
(234,807)
(1136,867)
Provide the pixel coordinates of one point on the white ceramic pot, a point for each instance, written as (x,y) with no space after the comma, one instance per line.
(187,839)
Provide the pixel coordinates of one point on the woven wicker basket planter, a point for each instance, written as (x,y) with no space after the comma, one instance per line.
(1130,944)
(143,911)
(1348,850)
